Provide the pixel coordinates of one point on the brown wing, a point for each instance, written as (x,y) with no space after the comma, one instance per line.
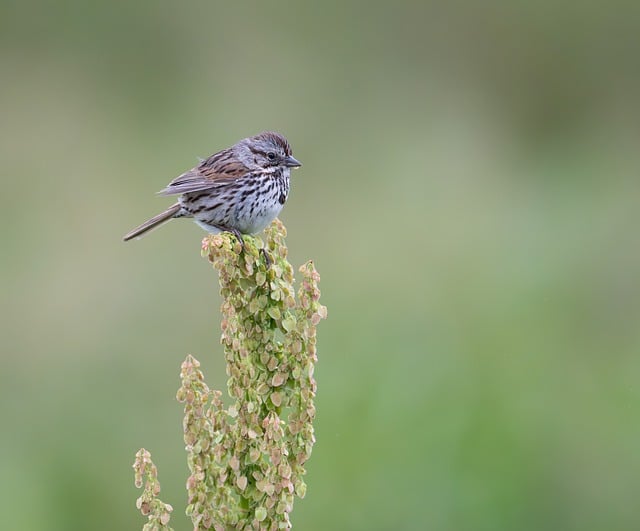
(218,170)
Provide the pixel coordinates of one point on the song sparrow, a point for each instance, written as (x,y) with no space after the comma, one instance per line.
(240,189)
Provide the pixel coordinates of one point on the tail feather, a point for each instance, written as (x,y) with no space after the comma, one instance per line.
(154,222)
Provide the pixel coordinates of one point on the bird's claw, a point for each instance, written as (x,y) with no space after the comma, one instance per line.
(240,239)
(267,258)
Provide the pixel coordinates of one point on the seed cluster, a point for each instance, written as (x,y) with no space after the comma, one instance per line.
(247,461)
(157,512)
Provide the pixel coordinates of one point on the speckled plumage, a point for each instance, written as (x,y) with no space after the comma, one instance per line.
(240,189)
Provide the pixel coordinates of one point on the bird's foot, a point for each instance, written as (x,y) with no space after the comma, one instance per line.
(239,237)
(267,258)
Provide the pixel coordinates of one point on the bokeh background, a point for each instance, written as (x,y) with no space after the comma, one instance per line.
(470,195)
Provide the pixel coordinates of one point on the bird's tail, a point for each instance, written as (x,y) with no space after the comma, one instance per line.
(154,222)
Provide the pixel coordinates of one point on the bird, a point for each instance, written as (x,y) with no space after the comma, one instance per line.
(239,190)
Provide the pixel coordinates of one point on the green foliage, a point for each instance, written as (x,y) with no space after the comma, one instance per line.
(247,460)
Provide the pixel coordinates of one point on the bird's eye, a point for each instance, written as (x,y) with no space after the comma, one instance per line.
(271,155)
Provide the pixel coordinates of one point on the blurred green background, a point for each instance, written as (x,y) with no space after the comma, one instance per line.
(470,195)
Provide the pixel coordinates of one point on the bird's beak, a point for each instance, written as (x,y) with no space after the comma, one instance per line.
(290,162)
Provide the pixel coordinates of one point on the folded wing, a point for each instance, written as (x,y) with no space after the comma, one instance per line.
(217,171)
